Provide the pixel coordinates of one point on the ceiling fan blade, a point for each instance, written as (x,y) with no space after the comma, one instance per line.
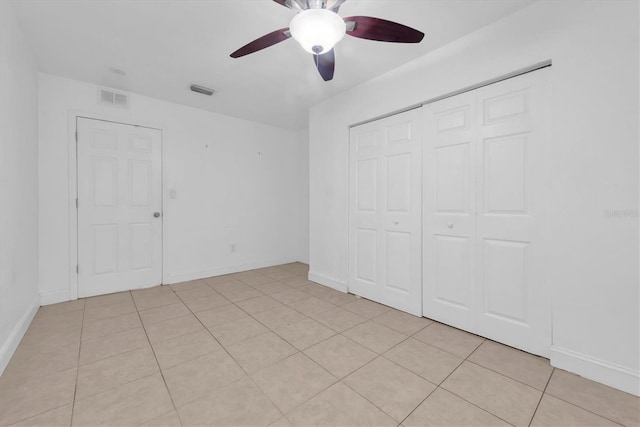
(291,4)
(334,4)
(367,27)
(262,42)
(326,64)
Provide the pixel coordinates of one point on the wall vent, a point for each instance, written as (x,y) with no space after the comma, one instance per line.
(113,98)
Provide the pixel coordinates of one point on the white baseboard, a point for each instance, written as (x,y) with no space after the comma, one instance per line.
(328,281)
(177,278)
(54,297)
(18,331)
(604,372)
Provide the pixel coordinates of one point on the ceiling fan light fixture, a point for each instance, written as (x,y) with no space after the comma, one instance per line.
(317,30)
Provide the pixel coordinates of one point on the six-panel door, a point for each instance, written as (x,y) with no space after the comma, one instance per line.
(119,207)
(384,231)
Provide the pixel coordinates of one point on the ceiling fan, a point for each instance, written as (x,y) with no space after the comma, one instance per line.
(318,27)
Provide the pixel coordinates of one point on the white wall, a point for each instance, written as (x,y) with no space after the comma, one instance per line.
(19,299)
(593,161)
(237,183)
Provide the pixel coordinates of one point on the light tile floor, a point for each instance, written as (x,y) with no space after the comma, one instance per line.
(268,347)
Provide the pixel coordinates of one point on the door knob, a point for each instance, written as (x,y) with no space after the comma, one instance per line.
(395,222)
(156,214)
(450,225)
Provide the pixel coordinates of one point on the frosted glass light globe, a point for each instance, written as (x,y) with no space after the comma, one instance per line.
(317,30)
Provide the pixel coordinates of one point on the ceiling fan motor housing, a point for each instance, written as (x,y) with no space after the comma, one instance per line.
(317,30)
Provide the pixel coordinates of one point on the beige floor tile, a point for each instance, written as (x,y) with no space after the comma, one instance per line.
(107,311)
(404,323)
(220,280)
(195,293)
(26,399)
(261,351)
(339,406)
(429,362)
(296,281)
(272,288)
(206,303)
(375,336)
(278,317)
(30,362)
(46,340)
(311,305)
(338,319)
(282,422)
(237,331)
(165,312)
(605,401)
(258,304)
(240,293)
(147,292)
(443,409)
(305,333)
(449,339)
(390,387)
(110,345)
(170,419)
(190,380)
(337,298)
(257,280)
(554,412)
(59,417)
(172,328)
(220,315)
(293,381)
(241,403)
(129,404)
(63,307)
(191,284)
(365,308)
(54,322)
(227,284)
(340,355)
(100,328)
(524,367)
(184,348)
(505,398)
(109,299)
(147,302)
(282,274)
(290,295)
(96,377)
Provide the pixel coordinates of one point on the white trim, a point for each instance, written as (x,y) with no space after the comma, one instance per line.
(178,278)
(55,297)
(595,369)
(329,282)
(304,260)
(11,344)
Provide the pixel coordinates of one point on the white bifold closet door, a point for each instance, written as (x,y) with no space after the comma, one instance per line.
(119,209)
(484,185)
(384,211)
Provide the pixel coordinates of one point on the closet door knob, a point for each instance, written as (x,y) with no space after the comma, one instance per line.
(395,222)
(450,225)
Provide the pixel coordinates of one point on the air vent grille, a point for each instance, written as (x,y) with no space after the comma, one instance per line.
(113,98)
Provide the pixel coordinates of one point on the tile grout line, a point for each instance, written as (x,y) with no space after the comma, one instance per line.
(541,396)
(75,388)
(157,363)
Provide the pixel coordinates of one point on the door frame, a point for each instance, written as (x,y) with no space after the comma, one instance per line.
(73,117)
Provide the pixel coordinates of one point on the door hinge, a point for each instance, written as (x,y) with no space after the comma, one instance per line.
(76,203)
(76,136)
(77,269)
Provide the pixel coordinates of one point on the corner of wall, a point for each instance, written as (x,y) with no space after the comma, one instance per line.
(18,331)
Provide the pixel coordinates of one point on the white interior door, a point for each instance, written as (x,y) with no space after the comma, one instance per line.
(384,235)
(513,299)
(484,212)
(119,207)
(449,226)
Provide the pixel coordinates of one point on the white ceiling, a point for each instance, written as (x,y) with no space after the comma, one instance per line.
(166,45)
